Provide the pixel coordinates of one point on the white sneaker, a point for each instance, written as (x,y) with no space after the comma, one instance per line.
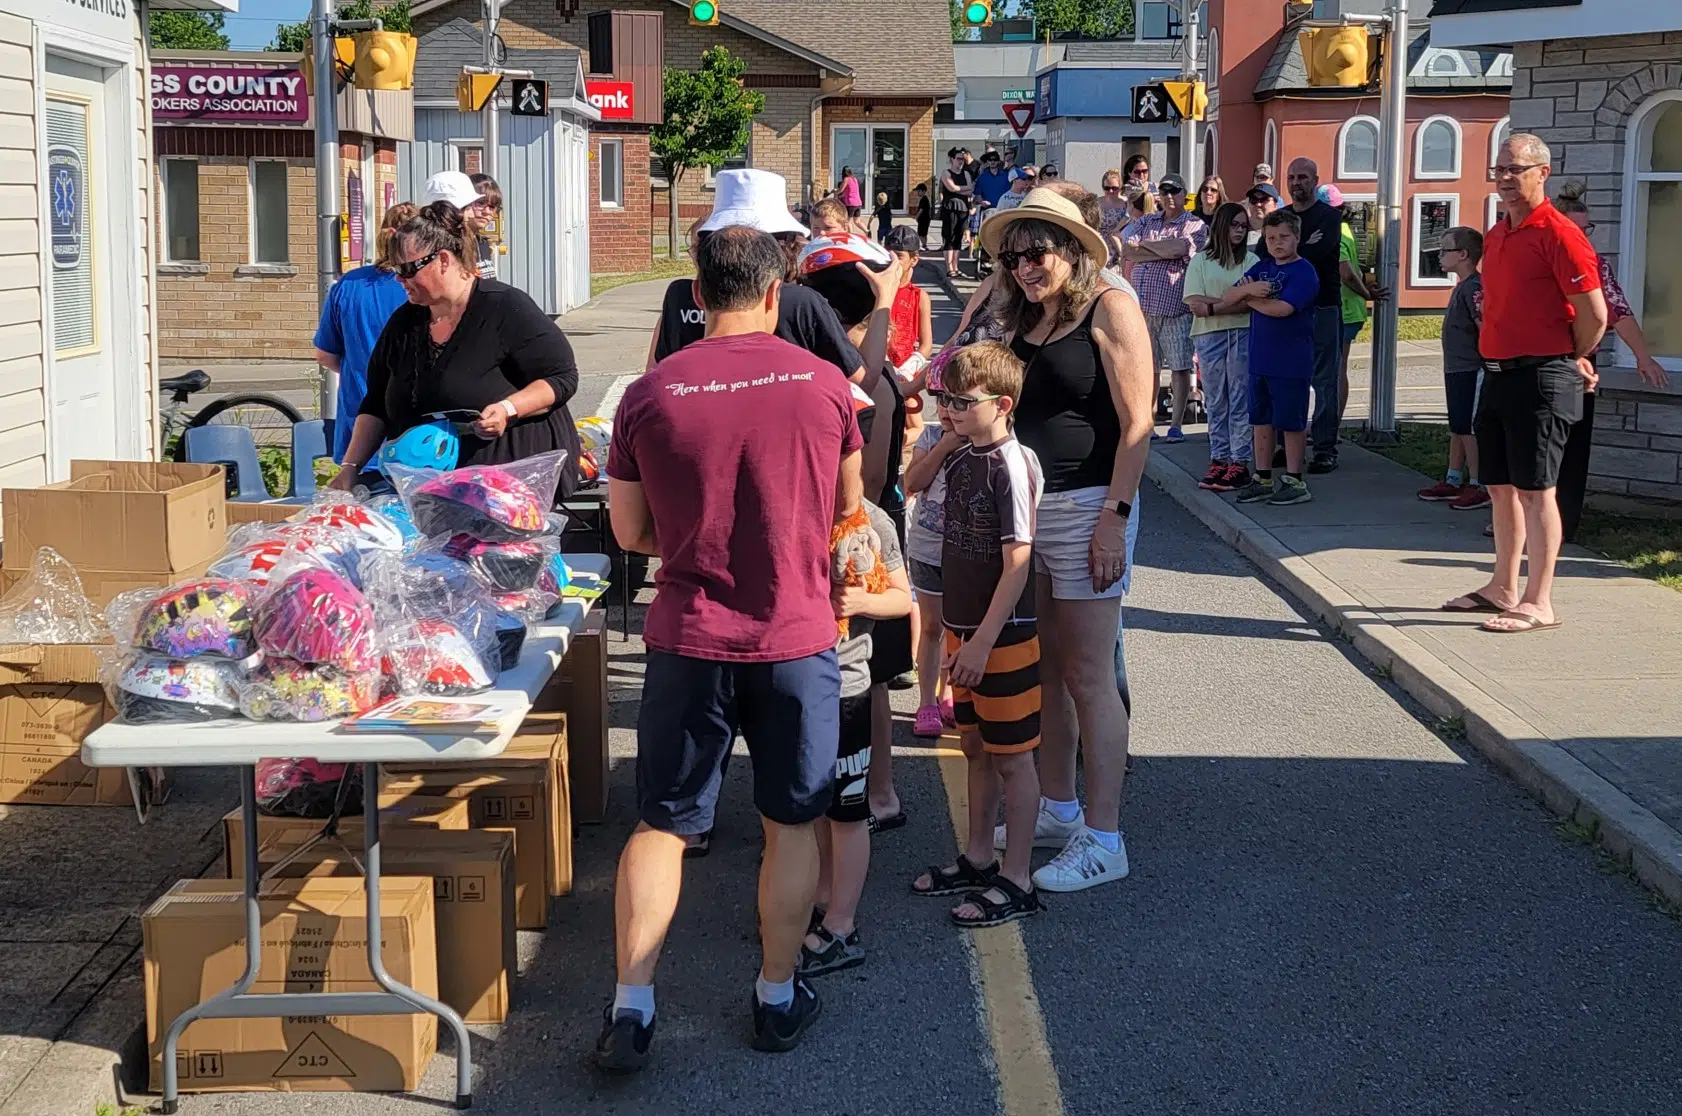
(1083,863)
(1050,831)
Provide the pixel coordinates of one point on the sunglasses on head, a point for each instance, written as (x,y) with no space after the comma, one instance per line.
(1035,255)
(412,268)
(958,404)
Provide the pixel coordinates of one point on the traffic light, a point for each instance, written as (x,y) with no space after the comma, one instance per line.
(978,13)
(703,13)
(1335,55)
(473,90)
(344,61)
(385,60)
(1191,98)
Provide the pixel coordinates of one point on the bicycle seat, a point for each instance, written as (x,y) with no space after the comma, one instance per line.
(186,383)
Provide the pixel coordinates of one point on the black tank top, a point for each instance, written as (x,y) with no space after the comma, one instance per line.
(1066,415)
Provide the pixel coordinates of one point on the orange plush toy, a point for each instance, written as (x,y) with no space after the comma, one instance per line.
(856,557)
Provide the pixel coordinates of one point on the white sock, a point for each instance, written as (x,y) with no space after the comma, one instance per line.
(1063,811)
(779,994)
(1111,841)
(635,997)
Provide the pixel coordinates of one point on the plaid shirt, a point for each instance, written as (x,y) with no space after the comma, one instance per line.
(1161,283)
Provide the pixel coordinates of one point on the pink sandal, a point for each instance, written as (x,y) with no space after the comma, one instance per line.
(947,716)
(928,722)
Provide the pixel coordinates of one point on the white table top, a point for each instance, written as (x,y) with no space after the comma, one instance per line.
(234,741)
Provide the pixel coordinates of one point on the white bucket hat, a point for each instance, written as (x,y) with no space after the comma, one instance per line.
(451,186)
(755,198)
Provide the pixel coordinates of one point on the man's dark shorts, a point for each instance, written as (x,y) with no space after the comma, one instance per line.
(1461,389)
(850,802)
(1524,420)
(788,712)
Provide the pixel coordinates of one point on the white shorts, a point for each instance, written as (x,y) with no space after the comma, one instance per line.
(1063,529)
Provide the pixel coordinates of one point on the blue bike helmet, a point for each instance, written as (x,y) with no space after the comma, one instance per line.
(431,445)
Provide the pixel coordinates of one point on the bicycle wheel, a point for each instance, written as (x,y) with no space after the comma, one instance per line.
(268,417)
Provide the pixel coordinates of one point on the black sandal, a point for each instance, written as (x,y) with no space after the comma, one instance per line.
(836,954)
(702,846)
(1017,904)
(960,880)
(815,923)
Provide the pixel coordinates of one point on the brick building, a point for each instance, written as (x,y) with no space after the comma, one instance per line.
(236,200)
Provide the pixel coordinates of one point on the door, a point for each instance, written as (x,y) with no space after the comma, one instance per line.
(887,167)
(77,210)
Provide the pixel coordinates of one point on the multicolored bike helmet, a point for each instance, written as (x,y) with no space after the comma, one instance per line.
(287,690)
(156,689)
(307,788)
(826,264)
(507,566)
(317,616)
(434,657)
(431,445)
(208,616)
(483,501)
(365,527)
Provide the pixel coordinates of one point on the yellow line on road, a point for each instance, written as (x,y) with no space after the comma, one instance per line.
(1010,1008)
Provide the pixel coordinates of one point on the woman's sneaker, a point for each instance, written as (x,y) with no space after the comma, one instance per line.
(1050,831)
(1083,863)
(928,722)
(1212,479)
(1237,476)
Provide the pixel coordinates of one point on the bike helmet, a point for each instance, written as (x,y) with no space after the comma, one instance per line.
(157,689)
(257,562)
(317,616)
(510,638)
(366,528)
(826,264)
(393,508)
(507,566)
(555,575)
(431,445)
(208,616)
(434,657)
(531,605)
(483,501)
(284,689)
(594,433)
(307,788)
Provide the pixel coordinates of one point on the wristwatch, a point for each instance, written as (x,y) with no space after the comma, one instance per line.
(1122,508)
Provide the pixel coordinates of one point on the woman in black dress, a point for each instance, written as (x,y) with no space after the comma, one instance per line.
(466,344)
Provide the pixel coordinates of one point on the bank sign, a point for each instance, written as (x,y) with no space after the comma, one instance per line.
(229,94)
(615,100)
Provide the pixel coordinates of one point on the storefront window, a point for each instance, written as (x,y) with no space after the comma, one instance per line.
(612,161)
(181,210)
(268,212)
(1652,269)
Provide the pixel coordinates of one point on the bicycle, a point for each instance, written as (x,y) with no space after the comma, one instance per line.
(268,417)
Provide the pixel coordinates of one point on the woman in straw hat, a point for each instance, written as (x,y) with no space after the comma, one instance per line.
(1086,413)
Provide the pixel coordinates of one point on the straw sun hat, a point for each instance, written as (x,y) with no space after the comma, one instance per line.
(1046,205)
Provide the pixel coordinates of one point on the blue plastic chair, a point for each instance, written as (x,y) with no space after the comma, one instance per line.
(235,449)
(309,441)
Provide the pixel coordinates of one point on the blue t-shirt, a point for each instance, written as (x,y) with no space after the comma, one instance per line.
(990,186)
(356,311)
(1284,347)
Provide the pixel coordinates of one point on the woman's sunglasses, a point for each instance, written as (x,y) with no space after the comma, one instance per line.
(958,404)
(412,268)
(1035,255)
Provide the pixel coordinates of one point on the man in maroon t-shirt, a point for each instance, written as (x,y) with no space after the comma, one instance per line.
(731,461)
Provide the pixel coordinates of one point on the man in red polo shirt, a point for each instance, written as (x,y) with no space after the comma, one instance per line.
(1543,314)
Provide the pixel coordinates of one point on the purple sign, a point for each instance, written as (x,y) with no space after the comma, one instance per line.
(229,94)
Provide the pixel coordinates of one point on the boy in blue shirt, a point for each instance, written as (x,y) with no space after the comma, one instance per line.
(1279,292)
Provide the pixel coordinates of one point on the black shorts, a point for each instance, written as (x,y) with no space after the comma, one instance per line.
(1461,389)
(788,712)
(1524,420)
(850,802)
(953,222)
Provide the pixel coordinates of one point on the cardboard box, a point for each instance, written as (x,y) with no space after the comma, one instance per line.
(314,940)
(142,522)
(50,700)
(579,689)
(472,875)
(244,511)
(422,814)
(497,798)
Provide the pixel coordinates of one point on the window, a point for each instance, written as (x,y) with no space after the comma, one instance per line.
(742,160)
(601,42)
(1436,148)
(181,210)
(1446,65)
(1497,137)
(469,155)
(1652,225)
(1430,217)
(612,160)
(1270,148)
(1357,148)
(269,212)
(1212,60)
(1211,152)
(1493,211)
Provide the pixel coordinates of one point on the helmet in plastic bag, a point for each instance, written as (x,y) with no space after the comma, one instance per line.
(365,527)
(307,788)
(208,616)
(317,616)
(393,508)
(531,605)
(256,562)
(510,638)
(433,656)
(485,502)
(283,689)
(826,264)
(154,689)
(555,576)
(515,565)
(431,445)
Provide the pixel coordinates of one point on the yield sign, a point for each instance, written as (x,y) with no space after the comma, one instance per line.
(1021,116)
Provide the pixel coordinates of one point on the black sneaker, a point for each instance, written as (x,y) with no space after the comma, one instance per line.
(903,681)
(778,1029)
(1323,463)
(623,1045)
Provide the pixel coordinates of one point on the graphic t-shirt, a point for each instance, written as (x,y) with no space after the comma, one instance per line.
(358,306)
(1322,237)
(804,318)
(737,442)
(1348,252)
(1284,347)
(991,496)
(854,651)
(1461,322)
(925,534)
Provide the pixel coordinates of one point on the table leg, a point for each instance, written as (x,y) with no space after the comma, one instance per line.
(376,964)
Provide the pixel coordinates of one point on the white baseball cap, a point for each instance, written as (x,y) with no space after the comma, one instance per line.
(755,198)
(451,186)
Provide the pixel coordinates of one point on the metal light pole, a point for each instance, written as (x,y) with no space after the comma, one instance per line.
(1188,72)
(1381,416)
(326,177)
(488,157)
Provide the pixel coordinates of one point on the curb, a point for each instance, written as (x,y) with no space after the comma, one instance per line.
(938,278)
(1566,786)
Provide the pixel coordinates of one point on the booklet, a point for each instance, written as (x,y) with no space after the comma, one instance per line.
(469,716)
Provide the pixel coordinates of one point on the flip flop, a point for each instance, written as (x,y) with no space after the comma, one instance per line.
(893,821)
(1531,624)
(1480,603)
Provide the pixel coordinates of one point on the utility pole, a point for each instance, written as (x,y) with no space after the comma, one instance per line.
(488,158)
(326,111)
(1381,415)
(1188,126)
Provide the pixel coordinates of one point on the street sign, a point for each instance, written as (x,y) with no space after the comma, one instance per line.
(1150,104)
(1021,117)
(1010,96)
(530,97)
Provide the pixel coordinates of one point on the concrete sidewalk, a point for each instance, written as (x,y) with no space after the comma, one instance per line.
(1587,716)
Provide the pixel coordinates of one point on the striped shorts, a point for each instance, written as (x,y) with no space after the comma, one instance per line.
(1005,707)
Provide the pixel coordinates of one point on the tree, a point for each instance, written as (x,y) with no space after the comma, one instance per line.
(708,119)
(188,31)
(295,37)
(1094,19)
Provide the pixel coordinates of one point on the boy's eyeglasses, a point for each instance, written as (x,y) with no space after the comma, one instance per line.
(958,404)
(1035,255)
(412,268)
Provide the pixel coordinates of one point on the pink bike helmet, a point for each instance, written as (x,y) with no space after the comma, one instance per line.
(507,566)
(307,788)
(287,690)
(482,501)
(317,616)
(434,657)
(208,616)
(156,689)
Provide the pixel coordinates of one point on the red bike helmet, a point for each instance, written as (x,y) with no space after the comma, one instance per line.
(316,616)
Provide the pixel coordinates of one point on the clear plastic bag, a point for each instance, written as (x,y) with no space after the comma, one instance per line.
(393,508)
(510,638)
(151,689)
(317,616)
(306,788)
(367,528)
(431,586)
(497,503)
(505,567)
(201,616)
(49,605)
(433,656)
(255,555)
(530,605)
(282,689)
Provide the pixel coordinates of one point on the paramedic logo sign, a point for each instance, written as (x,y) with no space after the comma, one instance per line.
(65,184)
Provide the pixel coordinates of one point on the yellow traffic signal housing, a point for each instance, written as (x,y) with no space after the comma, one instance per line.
(473,90)
(703,13)
(978,13)
(1335,56)
(1191,98)
(385,60)
(344,60)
